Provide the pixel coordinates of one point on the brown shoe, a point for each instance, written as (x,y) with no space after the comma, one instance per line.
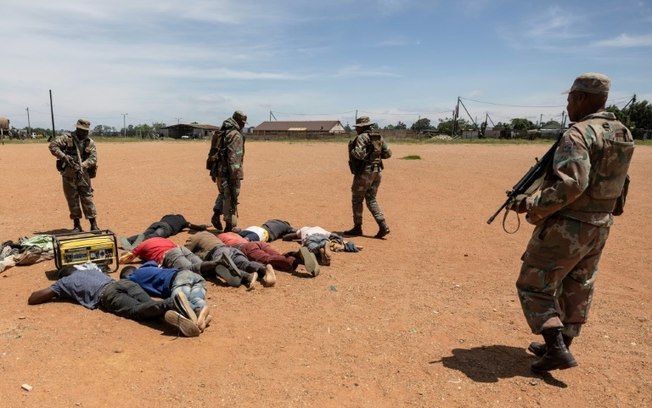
(309,260)
(269,279)
(325,255)
(182,305)
(186,326)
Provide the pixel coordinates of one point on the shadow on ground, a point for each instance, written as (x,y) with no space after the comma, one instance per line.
(488,364)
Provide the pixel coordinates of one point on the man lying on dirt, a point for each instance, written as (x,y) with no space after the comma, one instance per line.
(263,252)
(167,253)
(87,285)
(170,224)
(167,282)
(208,246)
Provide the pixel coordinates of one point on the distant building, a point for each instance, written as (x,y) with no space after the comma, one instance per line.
(299,129)
(188,131)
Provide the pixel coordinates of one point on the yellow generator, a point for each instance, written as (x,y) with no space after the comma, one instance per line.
(99,247)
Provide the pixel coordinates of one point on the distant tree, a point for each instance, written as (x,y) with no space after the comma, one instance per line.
(421,125)
(143,130)
(400,125)
(640,113)
(103,130)
(347,128)
(522,124)
(551,124)
(446,126)
(637,116)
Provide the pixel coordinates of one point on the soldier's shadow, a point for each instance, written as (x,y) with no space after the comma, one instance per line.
(488,364)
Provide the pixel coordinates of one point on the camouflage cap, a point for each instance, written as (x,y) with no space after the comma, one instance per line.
(592,83)
(83,124)
(240,115)
(363,121)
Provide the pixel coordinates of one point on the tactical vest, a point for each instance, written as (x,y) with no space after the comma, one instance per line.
(611,154)
(374,156)
(70,150)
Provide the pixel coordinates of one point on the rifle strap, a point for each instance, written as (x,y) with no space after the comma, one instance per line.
(518,222)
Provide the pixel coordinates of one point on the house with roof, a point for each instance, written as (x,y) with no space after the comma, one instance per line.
(299,129)
(188,131)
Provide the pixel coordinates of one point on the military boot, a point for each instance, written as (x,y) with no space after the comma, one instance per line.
(215,220)
(94,226)
(383,229)
(539,349)
(557,356)
(76,226)
(356,231)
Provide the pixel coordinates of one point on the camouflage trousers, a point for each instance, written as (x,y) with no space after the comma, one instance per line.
(227,200)
(365,187)
(79,195)
(560,266)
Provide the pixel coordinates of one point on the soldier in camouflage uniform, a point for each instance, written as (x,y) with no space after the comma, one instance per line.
(366,153)
(573,211)
(77,162)
(225,162)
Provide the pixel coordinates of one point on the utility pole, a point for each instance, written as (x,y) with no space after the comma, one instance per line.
(456,113)
(124,124)
(29,126)
(178,119)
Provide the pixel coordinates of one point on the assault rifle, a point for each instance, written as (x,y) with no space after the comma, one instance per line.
(527,184)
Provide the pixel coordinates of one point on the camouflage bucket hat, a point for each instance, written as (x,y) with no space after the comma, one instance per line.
(240,115)
(83,124)
(592,83)
(363,121)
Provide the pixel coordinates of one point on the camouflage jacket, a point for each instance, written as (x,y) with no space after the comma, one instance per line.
(228,150)
(67,144)
(588,172)
(368,149)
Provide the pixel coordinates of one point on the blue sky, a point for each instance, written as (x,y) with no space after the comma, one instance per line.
(198,61)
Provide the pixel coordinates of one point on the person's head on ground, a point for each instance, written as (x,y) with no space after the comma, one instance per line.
(127,271)
(82,128)
(240,117)
(363,124)
(587,95)
(66,271)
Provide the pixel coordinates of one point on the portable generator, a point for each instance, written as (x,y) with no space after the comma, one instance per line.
(99,247)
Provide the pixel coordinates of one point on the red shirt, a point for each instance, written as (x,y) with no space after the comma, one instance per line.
(231,238)
(153,249)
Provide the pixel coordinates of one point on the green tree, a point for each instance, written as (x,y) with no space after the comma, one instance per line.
(421,125)
(551,124)
(522,124)
(445,126)
(400,125)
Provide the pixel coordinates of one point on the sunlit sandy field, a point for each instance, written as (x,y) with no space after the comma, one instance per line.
(425,318)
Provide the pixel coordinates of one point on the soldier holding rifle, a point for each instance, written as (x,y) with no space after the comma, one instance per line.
(77,162)
(572,211)
(225,162)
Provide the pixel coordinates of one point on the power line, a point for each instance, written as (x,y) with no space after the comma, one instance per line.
(514,106)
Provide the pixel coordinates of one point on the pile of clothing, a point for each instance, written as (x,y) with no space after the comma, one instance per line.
(27,251)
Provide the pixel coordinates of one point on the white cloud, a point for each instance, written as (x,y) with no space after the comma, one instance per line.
(626,41)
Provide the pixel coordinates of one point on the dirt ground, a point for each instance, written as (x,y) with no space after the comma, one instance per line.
(426,318)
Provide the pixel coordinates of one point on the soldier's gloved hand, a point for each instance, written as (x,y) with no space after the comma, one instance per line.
(73,164)
(519,206)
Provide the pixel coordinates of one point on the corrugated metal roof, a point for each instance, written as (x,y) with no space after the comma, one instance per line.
(193,125)
(304,126)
